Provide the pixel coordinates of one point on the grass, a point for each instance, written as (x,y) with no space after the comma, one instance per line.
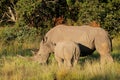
(89,68)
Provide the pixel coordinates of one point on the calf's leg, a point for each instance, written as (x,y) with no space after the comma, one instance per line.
(67,63)
(59,61)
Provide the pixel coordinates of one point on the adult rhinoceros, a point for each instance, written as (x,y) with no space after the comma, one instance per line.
(89,39)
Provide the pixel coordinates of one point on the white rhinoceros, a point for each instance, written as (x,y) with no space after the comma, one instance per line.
(89,39)
(67,52)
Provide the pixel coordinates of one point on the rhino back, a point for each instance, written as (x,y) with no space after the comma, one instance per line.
(83,35)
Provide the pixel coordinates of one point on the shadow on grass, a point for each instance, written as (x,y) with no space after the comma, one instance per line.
(116,56)
(104,77)
(94,57)
(25,52)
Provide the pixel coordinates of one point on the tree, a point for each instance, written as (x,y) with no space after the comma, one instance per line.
(46,14)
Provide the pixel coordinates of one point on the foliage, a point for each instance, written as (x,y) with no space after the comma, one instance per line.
(20,34)
(25,9)
(8,11)
(7,34)
(111,20)
(104,13)
(41,13)
(38,13)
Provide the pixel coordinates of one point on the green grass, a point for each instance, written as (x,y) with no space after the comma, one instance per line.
(89,68)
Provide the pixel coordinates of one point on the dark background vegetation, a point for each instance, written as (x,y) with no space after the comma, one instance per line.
(31,19)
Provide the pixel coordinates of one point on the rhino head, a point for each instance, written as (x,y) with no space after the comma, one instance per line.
(43,53)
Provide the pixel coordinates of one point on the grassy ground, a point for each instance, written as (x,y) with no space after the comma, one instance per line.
(16,68)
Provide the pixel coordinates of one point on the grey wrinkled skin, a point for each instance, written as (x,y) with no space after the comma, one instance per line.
(43,53)
(89,39)
(67,52)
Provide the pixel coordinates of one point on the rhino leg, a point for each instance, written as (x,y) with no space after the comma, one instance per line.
(106,58)
(103,46)
(75,62)
(76,58)
(68,63)
(104,51)
(59,61)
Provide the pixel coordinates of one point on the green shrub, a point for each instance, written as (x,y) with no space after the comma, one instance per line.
(104,12)
(41,13)
(7,34)
(20,34)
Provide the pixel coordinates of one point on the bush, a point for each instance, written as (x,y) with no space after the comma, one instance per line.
(7,34)
(41,13)
(20,34)
(106,13)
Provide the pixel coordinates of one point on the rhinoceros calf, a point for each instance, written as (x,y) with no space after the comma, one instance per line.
(67,52)
(89,39)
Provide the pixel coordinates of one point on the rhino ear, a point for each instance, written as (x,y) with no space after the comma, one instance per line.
(54,44)
(44,39)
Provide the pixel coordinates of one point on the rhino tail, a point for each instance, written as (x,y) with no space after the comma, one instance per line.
(111,44)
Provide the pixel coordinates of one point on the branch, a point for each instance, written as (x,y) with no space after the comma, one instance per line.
(12,16)
(2,18)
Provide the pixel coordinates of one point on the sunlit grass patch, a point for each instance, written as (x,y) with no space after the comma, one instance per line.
(116,49)
(13,67)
